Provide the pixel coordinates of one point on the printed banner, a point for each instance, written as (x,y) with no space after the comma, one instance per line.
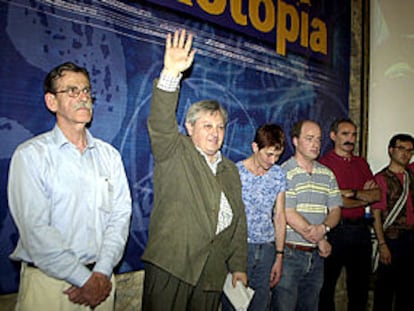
(301,26)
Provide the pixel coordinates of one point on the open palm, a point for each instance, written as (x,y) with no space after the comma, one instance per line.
(178,55)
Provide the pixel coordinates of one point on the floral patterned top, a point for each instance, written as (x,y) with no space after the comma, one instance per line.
(259,196)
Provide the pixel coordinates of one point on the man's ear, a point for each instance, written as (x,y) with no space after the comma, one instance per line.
(295,141)
(332,135)
(51,102)
(189,128)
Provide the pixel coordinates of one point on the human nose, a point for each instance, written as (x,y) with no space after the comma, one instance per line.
(273,159)
(215,131)
(83,94)
(315,142)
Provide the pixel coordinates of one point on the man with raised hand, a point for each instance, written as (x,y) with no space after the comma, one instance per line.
(198,225)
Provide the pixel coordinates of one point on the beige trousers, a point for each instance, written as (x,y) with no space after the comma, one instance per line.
(40,292)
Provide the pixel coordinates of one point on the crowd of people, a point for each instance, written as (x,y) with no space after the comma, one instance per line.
(287,231)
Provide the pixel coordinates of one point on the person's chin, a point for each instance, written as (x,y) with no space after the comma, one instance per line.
(267,167)
(349,147)
(214,147)
(314,155)
(213,151)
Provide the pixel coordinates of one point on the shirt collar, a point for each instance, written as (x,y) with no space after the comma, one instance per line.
(218,158)
(61,140)
(345,159)
(315,164)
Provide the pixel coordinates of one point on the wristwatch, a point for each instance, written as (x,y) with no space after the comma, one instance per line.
(327,228)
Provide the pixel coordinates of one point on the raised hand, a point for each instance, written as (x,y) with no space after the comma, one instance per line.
(179,54)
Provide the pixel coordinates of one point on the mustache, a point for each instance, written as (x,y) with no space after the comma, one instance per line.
(84,104)
(348,143)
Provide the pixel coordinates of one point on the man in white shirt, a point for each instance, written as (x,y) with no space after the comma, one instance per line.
(69,197)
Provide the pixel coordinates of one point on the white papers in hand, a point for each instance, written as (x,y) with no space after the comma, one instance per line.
(240,295)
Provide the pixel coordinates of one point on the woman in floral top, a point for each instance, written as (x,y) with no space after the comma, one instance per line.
(263,191)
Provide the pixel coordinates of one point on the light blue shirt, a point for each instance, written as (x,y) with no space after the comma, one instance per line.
(71,208)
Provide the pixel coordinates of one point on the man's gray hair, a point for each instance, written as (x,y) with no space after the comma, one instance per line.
(209,106)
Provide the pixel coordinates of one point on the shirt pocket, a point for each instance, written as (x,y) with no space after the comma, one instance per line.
(105,194)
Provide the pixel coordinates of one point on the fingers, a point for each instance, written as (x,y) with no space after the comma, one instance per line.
(189,43)
(179,54)
(370,184)
(176,38)
(180,40)
(168,41)
(239,276)
(75,295)
(70,290)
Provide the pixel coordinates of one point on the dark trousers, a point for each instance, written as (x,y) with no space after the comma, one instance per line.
(352,249)
(164,292)
(394,282)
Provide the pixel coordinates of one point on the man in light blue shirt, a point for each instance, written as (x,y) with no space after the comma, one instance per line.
(70,199)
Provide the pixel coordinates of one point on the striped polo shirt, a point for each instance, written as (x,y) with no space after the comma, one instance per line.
(311,194)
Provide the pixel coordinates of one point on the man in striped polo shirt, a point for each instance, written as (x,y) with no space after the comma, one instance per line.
(312,209)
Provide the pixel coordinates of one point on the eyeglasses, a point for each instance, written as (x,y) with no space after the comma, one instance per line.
(403,149)
(74,91)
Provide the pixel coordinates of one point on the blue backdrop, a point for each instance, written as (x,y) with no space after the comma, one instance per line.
(121,44)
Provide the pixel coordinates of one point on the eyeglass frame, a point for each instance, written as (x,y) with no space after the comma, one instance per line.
(403,149)
(70,90)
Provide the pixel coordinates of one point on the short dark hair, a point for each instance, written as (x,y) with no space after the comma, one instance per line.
(335,125)
(400,137)
(297,127)
(49,85)
(270,135)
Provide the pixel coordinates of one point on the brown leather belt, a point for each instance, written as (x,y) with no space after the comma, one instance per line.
(90,266)
(301,247)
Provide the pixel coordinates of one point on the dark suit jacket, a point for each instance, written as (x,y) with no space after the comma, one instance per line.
(182,235)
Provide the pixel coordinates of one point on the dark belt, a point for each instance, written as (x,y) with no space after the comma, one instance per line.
(90,266)
(301,247)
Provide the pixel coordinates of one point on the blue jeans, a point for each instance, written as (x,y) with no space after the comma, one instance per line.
(261,258)
(301,282)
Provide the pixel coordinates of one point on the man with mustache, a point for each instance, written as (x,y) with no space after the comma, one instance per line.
(69,197)
(351,239)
